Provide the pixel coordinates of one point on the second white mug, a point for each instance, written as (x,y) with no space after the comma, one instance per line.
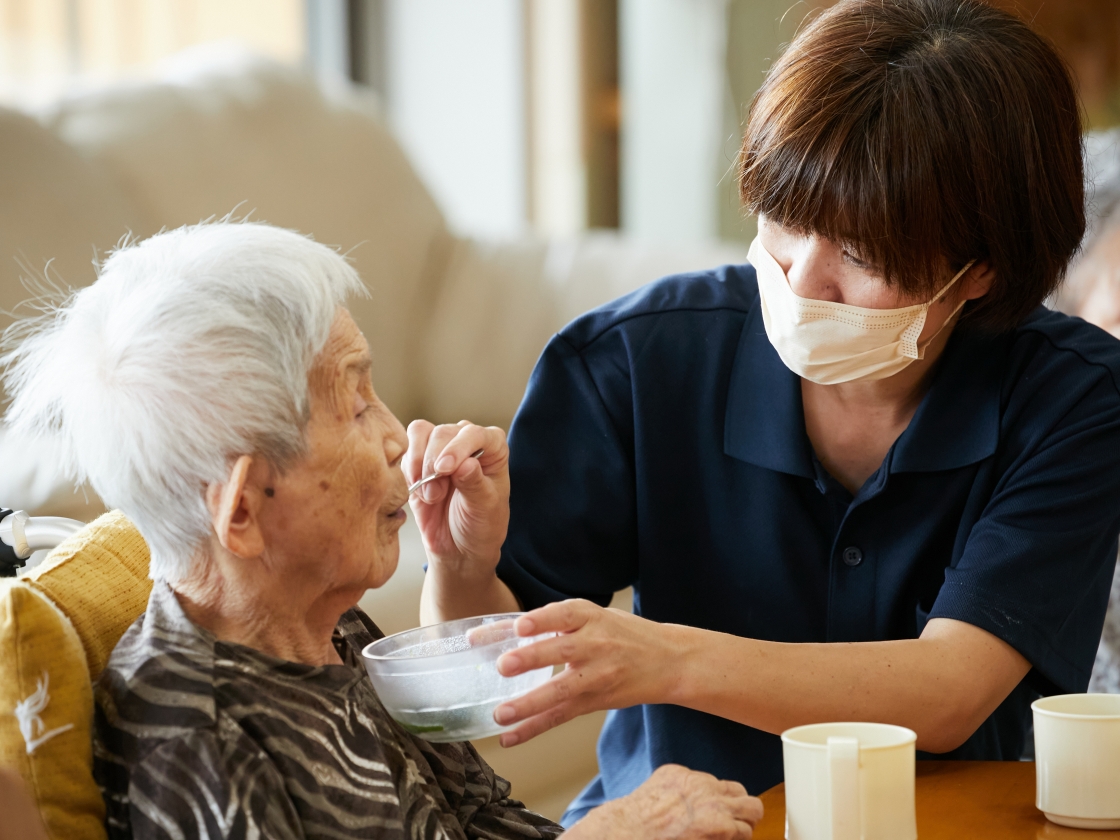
(1077,759)
(849,781)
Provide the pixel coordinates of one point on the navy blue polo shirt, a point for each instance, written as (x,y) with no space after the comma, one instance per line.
(661,444)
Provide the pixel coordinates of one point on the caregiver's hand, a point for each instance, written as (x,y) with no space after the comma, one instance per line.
(675,804)
(463,517)
(613,660)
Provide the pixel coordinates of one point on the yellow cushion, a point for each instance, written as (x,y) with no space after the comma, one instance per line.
(58,625)
(46,711)
(99,579)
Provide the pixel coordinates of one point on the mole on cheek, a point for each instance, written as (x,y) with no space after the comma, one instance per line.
(324,486)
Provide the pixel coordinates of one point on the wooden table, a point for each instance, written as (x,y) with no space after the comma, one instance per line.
(961,800)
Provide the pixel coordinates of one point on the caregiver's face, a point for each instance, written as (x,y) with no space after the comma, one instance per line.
(820,269)
(334,516)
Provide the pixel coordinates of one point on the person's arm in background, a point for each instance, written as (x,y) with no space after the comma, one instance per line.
(19,817)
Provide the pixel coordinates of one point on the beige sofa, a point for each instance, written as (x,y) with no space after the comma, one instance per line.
(455,324)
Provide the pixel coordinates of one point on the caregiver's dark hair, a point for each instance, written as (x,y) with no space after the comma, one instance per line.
(920,132)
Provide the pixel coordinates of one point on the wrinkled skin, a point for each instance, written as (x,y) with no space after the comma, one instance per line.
(675,804)
(292,551)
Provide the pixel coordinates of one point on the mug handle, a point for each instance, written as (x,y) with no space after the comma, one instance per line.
(843,783)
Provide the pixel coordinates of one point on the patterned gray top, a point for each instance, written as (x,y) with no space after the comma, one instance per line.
(196,737)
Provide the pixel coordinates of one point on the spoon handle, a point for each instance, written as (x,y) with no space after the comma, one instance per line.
(434,476)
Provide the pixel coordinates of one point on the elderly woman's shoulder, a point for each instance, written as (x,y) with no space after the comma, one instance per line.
(163,664)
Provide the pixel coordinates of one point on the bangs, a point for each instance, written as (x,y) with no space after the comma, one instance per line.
(854,158)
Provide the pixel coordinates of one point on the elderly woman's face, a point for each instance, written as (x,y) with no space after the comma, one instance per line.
(333,518)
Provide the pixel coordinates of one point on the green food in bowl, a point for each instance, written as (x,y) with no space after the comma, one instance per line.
(420,729)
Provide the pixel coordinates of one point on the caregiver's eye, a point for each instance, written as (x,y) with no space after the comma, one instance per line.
(854,260)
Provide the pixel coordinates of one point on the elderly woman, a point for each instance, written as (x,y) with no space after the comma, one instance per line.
(867,476)
(211,384)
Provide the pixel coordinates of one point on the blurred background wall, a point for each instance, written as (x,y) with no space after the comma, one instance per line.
(521,115)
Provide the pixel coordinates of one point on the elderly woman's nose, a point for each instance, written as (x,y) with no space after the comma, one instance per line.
(396,439)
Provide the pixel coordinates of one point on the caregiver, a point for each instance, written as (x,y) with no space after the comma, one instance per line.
(867,476)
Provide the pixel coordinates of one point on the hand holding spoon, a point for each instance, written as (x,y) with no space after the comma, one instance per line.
(434,476)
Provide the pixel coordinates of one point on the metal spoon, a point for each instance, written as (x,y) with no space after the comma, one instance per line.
(434,476)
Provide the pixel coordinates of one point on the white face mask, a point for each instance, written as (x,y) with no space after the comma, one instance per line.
(828,342)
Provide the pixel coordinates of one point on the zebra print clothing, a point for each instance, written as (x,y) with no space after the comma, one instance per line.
(195,737)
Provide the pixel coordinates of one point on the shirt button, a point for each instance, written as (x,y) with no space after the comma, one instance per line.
(852,556)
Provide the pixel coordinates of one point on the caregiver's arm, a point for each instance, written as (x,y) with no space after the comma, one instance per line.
(942,685)
(463,517)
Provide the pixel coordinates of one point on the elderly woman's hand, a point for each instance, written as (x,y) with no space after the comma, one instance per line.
(463,516)
(673,804)
(612,660)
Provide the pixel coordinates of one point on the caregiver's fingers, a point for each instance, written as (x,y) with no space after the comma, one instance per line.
(558,650)
(539,724)
(565,688)
(425,443)
(440,437)
(413,465)
(559,617)
(452,446)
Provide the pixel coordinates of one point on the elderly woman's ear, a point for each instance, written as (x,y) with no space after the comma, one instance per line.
(235,508)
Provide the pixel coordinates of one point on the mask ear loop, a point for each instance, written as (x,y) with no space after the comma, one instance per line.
(921,351)
(949,285)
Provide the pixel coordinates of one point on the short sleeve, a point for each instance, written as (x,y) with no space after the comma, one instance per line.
(1037,565)
(192,787)
(572,500)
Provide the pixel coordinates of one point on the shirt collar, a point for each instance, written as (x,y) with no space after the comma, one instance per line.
(765,423)
(166,618)
(956,424)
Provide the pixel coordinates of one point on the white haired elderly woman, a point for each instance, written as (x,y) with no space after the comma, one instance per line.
(211,384)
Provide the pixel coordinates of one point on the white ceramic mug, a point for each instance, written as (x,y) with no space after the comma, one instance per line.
(849,781)
(1077,759)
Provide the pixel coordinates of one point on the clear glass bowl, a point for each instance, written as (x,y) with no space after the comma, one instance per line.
(441,683)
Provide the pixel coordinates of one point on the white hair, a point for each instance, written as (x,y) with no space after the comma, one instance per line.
(191,348)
